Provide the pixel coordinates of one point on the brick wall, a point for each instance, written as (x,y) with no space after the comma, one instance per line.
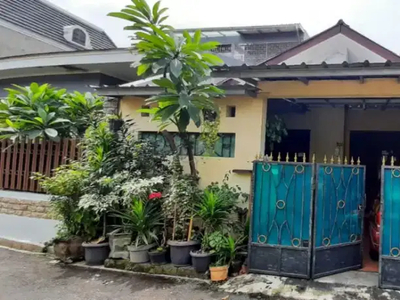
(25,208)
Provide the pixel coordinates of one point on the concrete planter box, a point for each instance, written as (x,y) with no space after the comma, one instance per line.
(119,243)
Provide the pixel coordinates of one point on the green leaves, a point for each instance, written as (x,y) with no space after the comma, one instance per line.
(176,68)
(44,112)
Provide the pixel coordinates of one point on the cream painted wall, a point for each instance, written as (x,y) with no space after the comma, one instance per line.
(248,125)
(326,125)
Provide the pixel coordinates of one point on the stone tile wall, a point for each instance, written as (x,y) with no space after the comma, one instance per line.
(25,208)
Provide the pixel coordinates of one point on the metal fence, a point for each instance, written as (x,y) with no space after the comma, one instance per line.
(20,159)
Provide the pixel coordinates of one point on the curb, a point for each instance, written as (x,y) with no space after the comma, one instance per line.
(22,251)
(81,265)
(16,245)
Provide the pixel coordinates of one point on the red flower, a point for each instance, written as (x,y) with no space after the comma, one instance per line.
(156,195)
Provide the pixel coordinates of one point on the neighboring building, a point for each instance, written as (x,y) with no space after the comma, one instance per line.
(38,26)
(253,44)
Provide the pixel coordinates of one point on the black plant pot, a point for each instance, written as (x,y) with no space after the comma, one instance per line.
(158,257)
(235,267)
(201,261)
(96,254)
(180,252)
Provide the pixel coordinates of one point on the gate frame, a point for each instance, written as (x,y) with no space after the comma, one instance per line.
(361,242)
(311,224)
(382,210)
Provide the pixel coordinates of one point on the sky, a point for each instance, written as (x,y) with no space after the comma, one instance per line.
(377,19)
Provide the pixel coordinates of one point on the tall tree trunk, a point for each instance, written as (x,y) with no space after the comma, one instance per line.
(189,149)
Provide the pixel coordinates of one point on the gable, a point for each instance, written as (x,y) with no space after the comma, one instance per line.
(335,50)
(335,45)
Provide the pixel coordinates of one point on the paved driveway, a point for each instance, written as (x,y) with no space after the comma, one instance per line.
(26,276)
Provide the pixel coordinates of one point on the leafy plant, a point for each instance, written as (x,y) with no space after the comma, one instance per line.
(210,135)
(276,130)
(45,112)
(184,63)
(143,220)
(66,187)
(225,247)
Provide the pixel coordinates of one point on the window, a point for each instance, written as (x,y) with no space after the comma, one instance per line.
(225,48)
(231,111)
(225,147)
(144,114)
(79,36)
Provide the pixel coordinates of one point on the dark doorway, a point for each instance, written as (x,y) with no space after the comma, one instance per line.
(370,146)
(297,141)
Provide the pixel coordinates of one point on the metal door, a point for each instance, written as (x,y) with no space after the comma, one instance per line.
(389,261)
(338,218)
(281,230)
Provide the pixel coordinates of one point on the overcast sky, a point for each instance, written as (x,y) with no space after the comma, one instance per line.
(377,19)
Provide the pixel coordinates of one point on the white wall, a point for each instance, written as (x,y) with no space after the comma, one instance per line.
(13,43)
(336,49)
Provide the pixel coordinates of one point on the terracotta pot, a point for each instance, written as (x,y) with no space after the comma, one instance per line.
(219,273)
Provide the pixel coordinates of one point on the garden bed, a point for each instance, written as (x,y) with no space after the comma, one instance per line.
(167,269)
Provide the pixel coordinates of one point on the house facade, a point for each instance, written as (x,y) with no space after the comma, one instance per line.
(38,26)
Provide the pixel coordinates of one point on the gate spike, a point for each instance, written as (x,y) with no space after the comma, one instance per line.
(279,156)
(383,160)
(345,160)
(304,158)
(339,160)
(295,157)
(352,160)
(287,156)
(271,157)
(358,161)
(325,160)
(313,158)
(332,160)
(392,161)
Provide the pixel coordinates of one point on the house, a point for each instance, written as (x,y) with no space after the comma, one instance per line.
(339,95)
(38,26)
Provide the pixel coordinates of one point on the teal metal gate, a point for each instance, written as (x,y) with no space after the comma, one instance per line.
(281,219)
(307,218)
(389,261)
(339,215)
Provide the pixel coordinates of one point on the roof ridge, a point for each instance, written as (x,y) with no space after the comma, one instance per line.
(64,11)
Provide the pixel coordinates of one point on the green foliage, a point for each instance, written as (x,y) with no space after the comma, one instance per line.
(276,130)
(66,187)
(143,220)
(225,247)
(45,112)
(184,63)
(209,135)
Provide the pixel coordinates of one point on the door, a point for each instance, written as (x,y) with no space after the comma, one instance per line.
(338,218)
(389,258)
(280,235)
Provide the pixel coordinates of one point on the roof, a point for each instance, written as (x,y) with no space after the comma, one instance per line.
(111,62)
(49,20)
(246,30)
(340,27)
(305,71)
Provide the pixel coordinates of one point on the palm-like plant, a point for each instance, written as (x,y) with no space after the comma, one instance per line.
(143,220)
(184,63)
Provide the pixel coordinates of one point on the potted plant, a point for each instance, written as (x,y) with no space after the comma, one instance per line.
(225,248)
(214,212)
(179,209)
(158,256)
(143,220)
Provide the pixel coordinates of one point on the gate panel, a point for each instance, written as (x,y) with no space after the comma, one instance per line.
(339,212)
(389,261)
(280,238)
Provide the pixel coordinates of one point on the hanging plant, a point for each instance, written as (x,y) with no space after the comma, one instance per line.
(209,134)
(276,130)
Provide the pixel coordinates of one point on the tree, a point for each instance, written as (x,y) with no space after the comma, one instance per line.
(46,112)
(181,64)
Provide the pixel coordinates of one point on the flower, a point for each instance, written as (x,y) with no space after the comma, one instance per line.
(156,195)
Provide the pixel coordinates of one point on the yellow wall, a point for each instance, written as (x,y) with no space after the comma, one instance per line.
(248,125)
(385,87)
